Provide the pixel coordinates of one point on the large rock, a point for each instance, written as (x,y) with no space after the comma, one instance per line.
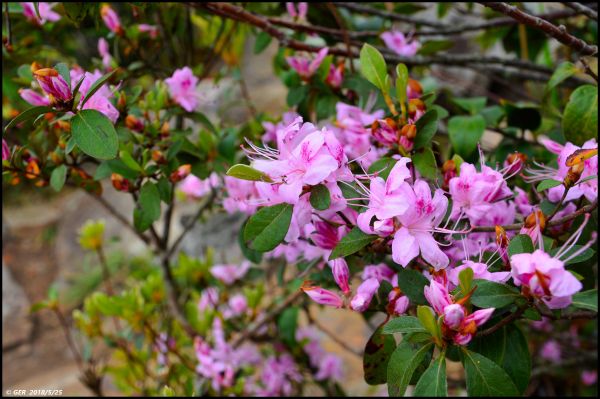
(16,323)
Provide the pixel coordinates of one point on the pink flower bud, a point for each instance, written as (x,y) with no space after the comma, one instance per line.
(53,84)
(364,294)
(453,315)
(111,19)
(5,150)
(341,274)
(323,296)
(33,97)
(401,305)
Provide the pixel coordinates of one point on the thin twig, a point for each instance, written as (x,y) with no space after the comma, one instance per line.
(502,323)
(580,8)
(331,335)
(588,70)
(388,14)
(557,32)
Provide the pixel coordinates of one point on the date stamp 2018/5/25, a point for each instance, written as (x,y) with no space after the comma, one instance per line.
(34,392)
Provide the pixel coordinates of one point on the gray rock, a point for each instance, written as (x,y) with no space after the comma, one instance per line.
(16,322)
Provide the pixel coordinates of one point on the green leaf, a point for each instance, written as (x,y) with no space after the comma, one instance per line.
(372,67)
(433,46)
(149,201)
(433,381)
(465,132)
(352,242)
(490,294)
(246,172)
(403,324)
(564,71)
(546,184)
(129,161)
(426,316)
(520,243)
(63,71)
(76,11)
(296,95)
(465,278)
(320,199)
(402,365)
(425,163)
(426,128)
(263,39)
(36,307)
(383,166)
(508,348)
(580,119)
(486,378)
(287,324)
(95,134)
(29,113)
(472,105)
(401,83)
(582,257)
(493,114)
(58,177)
(267,227)
(376,356)
(586,300)
(250,254)
(96,86)
(412,283)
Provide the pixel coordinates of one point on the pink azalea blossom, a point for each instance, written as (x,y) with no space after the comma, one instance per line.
(364,295)
(480,271)
(33,97)
(46,13)
(242,196)
(182,88)
(400,304)
(54,85)
(300,12)
(380,272)
(335,77)
(100,101)
(237,305)
(208,299)
(551,351)
(111,19)
(589,377)
(5,151)
(104,52)
(195,188)
(152,30)
(341,274)
(330,368)
(228,274)
(323,296)
(305,66)
(277,376)
(400,44)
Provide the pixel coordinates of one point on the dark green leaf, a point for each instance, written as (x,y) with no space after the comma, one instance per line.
(250,254)
(472,105)
(63,71)
(580,119)
(486,378)
(433,381)
(403,324)
(412,284)
(376,356)
(382,166)
(564,71)
(546,184)
(29,113)
(267,227)
(586,300)
(490,294)
(425,163)
(287,324)
(426,129)
(402,365)
(320,199)
(519,244)
(351,242)
(465,132)
(95,134)
(58,177)
(433,46)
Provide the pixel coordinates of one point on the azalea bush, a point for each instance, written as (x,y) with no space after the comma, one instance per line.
(376,192)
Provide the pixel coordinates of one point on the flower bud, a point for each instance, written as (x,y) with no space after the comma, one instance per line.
(515,162)
(409,131)
(53,85)
(501,237)
(5,151)
(134,123)
(158,157)
(111,19)
(164,130)
(341,274)
(322,296)
(120,183)
(181,173)
(35,66)
(384,131)
(581,155)
(32,169)
(453,315)
(573,174)
(122,102)
(534,218)
(413,89)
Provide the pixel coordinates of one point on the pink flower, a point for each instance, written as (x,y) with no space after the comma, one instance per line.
(437,295)
(323,296)
(182,87)
(400,304)
(104,53)
(364,294)
(302,9)
(194,187)
(326,235)
(242,196)
(522,201)
(341,274)
(589,377)
(33,97)
(5,151)
(306,67)
(480,271)
(208,299)
(544,277)
(152,30)
(46,13)
(330,368)
(380,272)
(111,19)
(551,351)
(277,376)
(454,315)
(384,133)
(418,224)
(397,42)
(228,274)
(53,84)
(100,101)
(335,77)
(237,306)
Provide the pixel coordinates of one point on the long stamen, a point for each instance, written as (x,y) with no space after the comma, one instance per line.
(573,239)
(582,249)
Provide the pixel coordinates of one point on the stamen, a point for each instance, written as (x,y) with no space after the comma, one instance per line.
(573,239)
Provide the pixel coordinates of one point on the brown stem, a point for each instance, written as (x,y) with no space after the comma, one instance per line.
(588,70)
(389,15)
(580,8)
(557,32)
(502,323)
(331,335)
(105,272)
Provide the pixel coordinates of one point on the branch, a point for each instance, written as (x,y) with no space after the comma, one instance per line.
(557,32)
(502,323)
(580,8)
(388,14)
